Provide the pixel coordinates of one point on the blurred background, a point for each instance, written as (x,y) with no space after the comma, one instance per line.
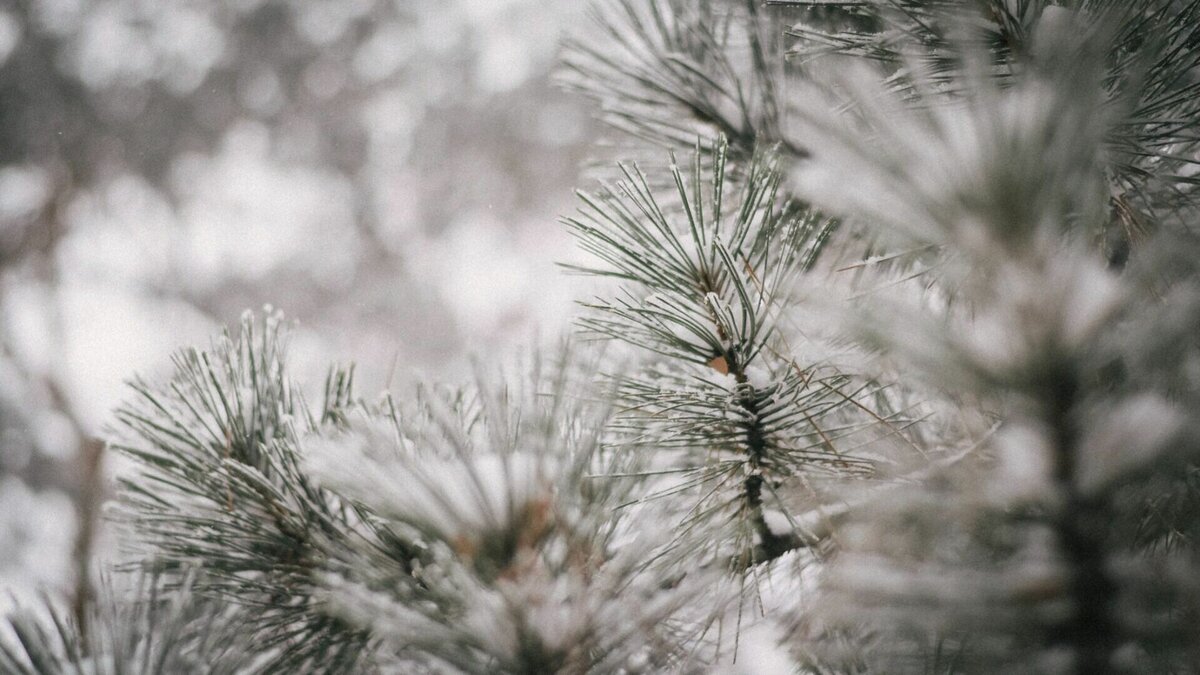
(386,172)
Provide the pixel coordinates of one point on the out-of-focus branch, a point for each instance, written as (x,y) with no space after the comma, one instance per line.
(86,488)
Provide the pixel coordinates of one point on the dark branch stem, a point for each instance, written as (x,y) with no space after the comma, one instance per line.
(771,545)
(91,492)
(1090,632)
(757,445)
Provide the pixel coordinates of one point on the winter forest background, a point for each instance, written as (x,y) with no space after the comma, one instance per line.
(389,173)
(629,336)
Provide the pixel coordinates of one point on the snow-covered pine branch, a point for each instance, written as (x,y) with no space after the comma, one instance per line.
(1012,563)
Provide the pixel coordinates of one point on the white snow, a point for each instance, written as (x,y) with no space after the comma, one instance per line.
(777,522)
(757,376)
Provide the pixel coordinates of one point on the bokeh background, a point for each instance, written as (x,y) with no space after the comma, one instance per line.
(387,173)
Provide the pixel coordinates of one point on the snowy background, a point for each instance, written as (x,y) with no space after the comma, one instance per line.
(386,172)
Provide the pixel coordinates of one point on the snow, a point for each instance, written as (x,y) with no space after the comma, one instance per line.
(759,653)
(23,190)
(458,497)
(1129,435)
(246,215)
(386,51)
(55,435)
(1026,462)
(495,279)
(10,35)
(777,522)
(109,335)
(758,376)
(37,529)
(1092,296)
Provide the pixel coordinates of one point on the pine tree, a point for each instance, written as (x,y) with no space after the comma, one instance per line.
(890,368)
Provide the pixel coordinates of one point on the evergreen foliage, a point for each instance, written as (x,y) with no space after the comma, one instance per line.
(221,487)
(162,631)
(519,557)
(973,450)
(667,71)
(705,288)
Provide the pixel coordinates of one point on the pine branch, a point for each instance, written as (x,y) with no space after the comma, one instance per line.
(1035,513)
(667,71)
(1149,79)
(1012,564)
(148,629)
(220,483)
(703,282)
(525,564)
